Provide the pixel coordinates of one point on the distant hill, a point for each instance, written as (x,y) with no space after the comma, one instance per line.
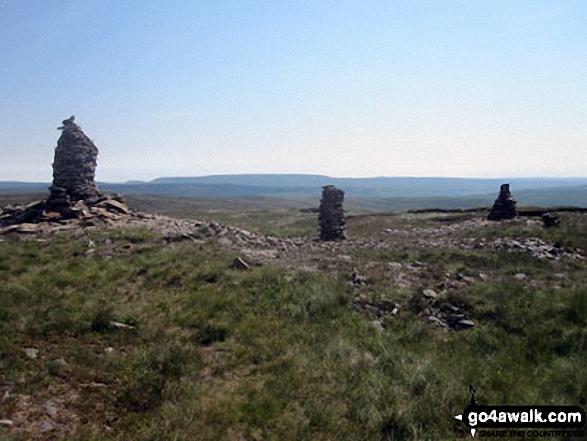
(382,193)
(306,185)
(23,187)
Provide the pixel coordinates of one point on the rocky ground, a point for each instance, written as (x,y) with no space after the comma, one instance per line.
(312,254)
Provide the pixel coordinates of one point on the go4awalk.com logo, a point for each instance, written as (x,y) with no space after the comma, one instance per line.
(523,421)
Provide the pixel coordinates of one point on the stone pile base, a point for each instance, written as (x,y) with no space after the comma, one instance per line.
(28,218)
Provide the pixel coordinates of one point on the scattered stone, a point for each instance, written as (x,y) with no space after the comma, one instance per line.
(34,204)
(504,206)
(117,325)
(429,294)
(46,426)
(27,228)
(50,408)
(533,246)
(114,205)
(438,322)
(9,229)
(447,316)
(331,217)
(358,280)
(31,352)
(549,220)
(240,264)
(51,215)
(466,324)
(109,350)
(520,276)
(386,304)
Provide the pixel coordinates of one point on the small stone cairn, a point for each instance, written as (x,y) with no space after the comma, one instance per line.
(331,217)
(504,206)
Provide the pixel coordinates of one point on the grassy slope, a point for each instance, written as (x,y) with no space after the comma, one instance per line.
(275,353)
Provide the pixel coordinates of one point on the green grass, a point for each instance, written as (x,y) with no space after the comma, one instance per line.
(278,354)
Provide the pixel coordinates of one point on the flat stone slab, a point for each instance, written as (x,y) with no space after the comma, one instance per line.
(114,205)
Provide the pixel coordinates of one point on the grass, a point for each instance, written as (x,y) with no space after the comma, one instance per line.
(277,353)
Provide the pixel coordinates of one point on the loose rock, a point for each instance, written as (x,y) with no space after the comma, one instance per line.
(240,264)
(46,426)
(549,220)
(117,325)
(429,294)
(114,205)
(50,408)
(31,352)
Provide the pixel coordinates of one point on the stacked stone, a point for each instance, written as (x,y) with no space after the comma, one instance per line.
(504,206)
(74,168)
(331,217)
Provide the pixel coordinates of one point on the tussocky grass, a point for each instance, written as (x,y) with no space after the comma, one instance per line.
(275,353)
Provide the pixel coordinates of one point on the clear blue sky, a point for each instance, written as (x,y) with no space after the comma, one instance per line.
(344,88)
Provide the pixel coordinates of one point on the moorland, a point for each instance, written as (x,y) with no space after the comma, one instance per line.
(127,333)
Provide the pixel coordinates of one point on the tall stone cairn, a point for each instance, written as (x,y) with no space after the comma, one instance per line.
(74,168)
(331,217)
(504,206)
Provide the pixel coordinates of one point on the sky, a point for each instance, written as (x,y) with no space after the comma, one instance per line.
(455,88)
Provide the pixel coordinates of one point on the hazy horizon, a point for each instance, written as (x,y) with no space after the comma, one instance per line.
(499,178)
(49,177)
(486,89)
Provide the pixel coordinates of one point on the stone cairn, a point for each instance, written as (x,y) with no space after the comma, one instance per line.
(504,206)
(331,217)
(74,168)
(73,194)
